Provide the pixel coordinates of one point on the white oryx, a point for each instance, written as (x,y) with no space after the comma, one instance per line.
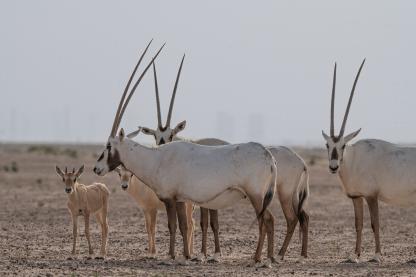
(164,134)
(210,176)
(370,169)
(292,179)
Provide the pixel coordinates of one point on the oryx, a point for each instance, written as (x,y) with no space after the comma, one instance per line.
(292,178)
(370,169)
(210,176)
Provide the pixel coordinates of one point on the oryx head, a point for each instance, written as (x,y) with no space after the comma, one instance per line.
(125,176)
(69,178)
(335,144)
(165,134)
(110,158)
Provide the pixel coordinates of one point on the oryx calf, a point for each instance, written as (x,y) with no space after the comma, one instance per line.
(84,201)
(150,204)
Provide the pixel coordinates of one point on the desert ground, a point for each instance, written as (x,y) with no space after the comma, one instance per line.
(36,231)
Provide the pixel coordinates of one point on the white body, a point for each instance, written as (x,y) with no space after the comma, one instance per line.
(200,174)
(378,168)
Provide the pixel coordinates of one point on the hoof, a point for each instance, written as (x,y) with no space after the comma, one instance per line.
(214,259)
(151,255)
(199,258)
(376,259)
(301,260)
(278,260)
(351,261)
(166,261)
(182,261)
(412,262)
(252,263)
(267,263)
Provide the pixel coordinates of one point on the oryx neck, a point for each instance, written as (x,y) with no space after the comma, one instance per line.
(141,160)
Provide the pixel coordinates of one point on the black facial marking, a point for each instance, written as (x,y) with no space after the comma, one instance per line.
(101,157)
(334,154)
(113,161)
(336,139)
(162,141)
(162,129)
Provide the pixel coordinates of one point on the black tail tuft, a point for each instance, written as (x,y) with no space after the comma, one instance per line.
(302,198)
(302,215)
(266,201)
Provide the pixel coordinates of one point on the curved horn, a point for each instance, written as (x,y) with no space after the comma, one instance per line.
(114,128)
(172,100)
(332,130)
(159,115)
(135,86)
(344,122)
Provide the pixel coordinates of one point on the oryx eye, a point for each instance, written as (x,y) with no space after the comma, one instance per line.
(327,146)
(343,147)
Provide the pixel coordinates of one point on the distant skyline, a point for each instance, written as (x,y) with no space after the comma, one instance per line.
(259,71)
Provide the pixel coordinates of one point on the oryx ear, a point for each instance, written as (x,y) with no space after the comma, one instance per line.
(180,127)
(351,136)
(80,171)
(121,134)
(59,171)
(135,133)
(147,131)
(326,137)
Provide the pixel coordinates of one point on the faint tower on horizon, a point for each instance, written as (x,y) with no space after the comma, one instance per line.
(225,126)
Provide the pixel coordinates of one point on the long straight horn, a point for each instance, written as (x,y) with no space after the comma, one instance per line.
(172,100)
(159,115)
(332,131)
(344,122)
(114,128)
(135,86)
(66,170)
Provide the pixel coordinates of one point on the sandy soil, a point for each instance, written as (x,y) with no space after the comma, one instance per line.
(36,235)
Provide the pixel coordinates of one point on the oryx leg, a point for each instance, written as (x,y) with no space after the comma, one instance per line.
(104,229)
(291,221)
(150,218)
(269,224)
(213,219)
(190,222)
(74,233)
(305,230)
(87,232)
(375,225)
(204,229)
(359,217)
(170,205)
(257,203)
(153,219)
(183,227)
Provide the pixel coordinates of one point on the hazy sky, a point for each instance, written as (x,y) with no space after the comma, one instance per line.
(254,70)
